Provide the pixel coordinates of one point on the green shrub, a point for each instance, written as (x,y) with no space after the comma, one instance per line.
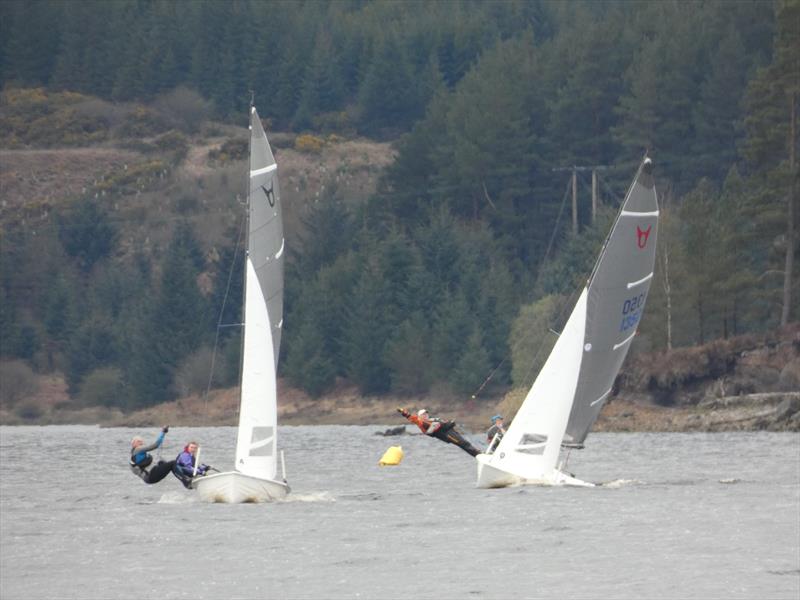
(29,410)
(17,381)
(183,109)
(192,375)
(174,143)
(309,143)
(102,387)
(142,122)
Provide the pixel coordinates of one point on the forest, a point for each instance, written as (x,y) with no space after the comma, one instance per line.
(450,276)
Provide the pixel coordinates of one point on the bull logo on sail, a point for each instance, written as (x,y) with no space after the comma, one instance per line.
(270,193)
(641,236)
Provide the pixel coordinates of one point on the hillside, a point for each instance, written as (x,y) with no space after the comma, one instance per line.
(120,220)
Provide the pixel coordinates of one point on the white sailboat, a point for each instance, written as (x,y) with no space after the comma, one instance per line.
(254,478)
(577,378)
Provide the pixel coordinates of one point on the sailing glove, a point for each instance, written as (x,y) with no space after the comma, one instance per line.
(165,429)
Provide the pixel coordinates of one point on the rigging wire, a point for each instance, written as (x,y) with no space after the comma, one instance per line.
(221,313)
(538,278)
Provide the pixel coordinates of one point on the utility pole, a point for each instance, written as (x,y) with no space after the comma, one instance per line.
(595,195)
(574,202)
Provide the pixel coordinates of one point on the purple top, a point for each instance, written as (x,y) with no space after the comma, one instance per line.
(185,464)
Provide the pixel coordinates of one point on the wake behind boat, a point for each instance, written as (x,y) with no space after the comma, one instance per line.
(578,376)
(254,478)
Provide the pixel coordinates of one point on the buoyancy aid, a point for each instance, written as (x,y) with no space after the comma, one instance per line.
(142,463)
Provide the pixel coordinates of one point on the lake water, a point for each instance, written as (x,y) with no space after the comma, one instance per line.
(682,516)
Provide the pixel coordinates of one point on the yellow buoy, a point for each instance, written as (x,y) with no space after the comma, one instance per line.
(392,456)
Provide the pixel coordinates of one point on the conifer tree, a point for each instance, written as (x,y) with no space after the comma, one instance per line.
(771,145)
(472,367)
(367,333)
(408,356)
(87,234)
(322,88)
(307,364)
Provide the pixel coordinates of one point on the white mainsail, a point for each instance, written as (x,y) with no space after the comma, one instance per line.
(256,443)
(577,378)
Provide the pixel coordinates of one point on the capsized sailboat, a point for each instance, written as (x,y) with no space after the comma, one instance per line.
(578,376)
(254,478)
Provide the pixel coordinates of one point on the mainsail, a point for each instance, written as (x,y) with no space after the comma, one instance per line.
(577,378)
(263,312)
(617,293)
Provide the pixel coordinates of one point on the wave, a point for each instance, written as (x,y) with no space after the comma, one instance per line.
(309,497)
(177,498)
(618,483)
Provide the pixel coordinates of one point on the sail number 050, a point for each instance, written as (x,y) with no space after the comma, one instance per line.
(632,311)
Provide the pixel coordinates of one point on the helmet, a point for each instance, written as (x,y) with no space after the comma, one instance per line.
(421,412)
(496,417)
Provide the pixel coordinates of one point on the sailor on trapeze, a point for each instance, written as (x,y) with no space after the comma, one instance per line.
(443,430)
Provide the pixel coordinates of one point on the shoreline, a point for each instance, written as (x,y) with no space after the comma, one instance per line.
(778,411)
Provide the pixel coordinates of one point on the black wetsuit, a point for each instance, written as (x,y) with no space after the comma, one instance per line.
(161,470)
(448,433)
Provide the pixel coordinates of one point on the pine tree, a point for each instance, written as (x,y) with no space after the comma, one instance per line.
(176,323)
(87,234)
(322,88)
(408,356)
(367,333)
(307,364)
(386,92)
(702,236)
(472,367)
(772,102)
(718,108)
(31,30)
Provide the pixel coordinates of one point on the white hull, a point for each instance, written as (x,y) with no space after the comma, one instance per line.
(492,477)
(236,488)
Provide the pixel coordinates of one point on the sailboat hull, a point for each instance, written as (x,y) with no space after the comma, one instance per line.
(234,487)
(491,477)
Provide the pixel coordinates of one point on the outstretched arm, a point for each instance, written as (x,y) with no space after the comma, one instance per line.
(154,445)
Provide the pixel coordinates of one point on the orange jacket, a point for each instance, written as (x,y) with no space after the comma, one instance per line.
(423,424)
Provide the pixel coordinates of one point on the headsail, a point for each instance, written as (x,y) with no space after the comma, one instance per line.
(263,313)
(617,293)
(531,445)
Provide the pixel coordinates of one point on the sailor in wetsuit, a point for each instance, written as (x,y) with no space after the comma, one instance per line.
(497,429)
(184,465)
(443,430)
(141,459)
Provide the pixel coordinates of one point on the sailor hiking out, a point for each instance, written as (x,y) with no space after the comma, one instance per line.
(442,430)
(141,459)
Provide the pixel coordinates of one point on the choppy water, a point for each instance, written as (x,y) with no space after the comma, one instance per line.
(684,516)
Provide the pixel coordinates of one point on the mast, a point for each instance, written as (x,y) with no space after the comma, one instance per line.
(246,240)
